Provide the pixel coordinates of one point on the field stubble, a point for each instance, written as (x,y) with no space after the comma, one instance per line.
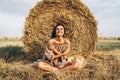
(104,65)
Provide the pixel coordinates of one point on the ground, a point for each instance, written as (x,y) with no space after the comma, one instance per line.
(103,65)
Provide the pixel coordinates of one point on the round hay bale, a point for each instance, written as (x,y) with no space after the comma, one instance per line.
(80,24)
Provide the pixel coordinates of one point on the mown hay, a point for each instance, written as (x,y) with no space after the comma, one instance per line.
(80,24)
(102,66)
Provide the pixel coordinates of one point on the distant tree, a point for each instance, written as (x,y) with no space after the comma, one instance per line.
(118,38)
(5,38)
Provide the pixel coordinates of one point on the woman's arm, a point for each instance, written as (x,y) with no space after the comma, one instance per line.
(68,48)
(50,45)
(57,56)
(65,52)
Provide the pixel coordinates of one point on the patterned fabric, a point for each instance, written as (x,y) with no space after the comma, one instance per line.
(49,54)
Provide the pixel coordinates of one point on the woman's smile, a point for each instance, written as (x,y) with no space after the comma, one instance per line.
(60,31)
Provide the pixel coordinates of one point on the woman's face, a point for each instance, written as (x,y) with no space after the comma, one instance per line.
(59,30)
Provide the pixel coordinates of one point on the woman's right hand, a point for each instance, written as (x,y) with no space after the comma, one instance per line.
(57,56)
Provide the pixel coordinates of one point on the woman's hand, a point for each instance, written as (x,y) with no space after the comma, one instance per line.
(57,56)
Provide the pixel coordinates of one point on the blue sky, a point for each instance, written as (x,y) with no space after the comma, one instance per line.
(14,12)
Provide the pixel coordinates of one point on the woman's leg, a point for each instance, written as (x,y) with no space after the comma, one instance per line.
(70,66)
(46,67)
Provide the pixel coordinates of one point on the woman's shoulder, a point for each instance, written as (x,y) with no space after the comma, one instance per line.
(50,40)
(67,40)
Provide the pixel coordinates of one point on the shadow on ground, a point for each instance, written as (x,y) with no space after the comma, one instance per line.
(12,53)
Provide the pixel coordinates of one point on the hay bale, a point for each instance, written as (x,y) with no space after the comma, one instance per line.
(80,24)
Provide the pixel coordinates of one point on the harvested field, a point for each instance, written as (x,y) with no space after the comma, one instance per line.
(100,67)
(10,42)
(104,65)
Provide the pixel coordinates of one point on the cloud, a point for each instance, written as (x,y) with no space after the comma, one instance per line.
(107,14)
(19,7)
(11,25)
(13,12)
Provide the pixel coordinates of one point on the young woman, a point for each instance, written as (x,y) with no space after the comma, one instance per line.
(56,53)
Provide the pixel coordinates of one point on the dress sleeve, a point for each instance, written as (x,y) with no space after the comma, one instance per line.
(48,51)
(68,43)
(50,44)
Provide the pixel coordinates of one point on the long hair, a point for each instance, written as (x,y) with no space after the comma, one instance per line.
(54,31)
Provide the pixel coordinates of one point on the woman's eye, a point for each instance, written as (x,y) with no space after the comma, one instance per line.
(61,29)
(57,29)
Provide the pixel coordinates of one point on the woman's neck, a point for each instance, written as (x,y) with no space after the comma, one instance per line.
(59,38)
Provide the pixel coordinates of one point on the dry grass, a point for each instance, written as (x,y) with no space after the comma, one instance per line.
(100,67)
(104,65)
(10,42)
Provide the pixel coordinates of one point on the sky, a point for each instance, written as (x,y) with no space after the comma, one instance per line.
(14,12)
